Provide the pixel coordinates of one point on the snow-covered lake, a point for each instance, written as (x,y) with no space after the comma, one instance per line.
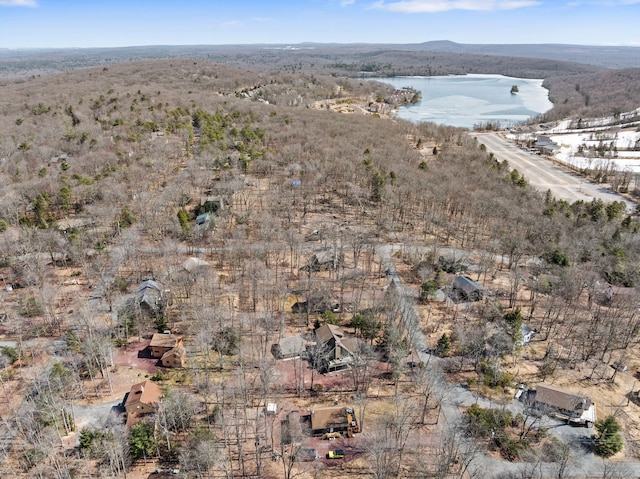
(469,100)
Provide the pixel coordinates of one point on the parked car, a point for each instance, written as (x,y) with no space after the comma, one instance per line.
(331,435)
(337,454)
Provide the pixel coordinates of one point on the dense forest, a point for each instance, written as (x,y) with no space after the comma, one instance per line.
(107,173)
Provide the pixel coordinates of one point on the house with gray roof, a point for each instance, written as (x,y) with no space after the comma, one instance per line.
(467,289)
(574,407)
(288,348)
(149,296)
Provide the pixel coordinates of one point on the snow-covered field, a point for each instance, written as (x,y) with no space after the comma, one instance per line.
(598,143)
(617,147)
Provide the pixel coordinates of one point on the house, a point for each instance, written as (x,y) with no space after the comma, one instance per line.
(573,407)
(335,350)
(66,225)
(620,296)
(467,289)
(545,145)
(175,357)
(149,296)
(140,400)
(324,261)
(526,333)
(211,204)
(194,265)
(288,348)
(315,304)
(203,218)
(334,419)
(161,343)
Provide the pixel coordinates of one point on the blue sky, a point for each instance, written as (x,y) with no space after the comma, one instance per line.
(116,23)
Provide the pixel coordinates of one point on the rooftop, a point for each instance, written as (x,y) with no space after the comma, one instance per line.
(561,398)
(329,417)
(164,340)
(145,392)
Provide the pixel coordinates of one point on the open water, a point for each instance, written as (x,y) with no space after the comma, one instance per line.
(469,100)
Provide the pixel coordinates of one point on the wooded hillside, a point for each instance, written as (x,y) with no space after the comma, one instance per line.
(117,175)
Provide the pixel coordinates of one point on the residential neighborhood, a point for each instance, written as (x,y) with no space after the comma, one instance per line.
(255,268)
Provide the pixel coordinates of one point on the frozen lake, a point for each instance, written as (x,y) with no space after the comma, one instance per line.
(468,100)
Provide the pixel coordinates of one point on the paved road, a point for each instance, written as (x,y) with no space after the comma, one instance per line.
(582,463)
(544,174)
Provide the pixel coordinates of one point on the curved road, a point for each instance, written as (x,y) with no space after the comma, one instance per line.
(582,462)
(544,174)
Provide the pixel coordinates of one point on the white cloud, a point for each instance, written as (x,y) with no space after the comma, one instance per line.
(230,24)
(433,6)
(18,3)
(346,3)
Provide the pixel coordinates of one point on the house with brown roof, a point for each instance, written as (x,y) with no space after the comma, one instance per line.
(560,402)
(161,343)
(334,419)
(336,350)
(174,358)
(141,400)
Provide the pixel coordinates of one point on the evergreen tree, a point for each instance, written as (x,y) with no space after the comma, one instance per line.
(444,345)
(609,440)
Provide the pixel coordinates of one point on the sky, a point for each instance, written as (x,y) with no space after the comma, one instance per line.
(118,23)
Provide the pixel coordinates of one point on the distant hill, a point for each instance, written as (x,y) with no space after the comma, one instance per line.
(434,58)
(574,74)
(604,56)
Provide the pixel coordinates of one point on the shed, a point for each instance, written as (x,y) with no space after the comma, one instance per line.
(272,409)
